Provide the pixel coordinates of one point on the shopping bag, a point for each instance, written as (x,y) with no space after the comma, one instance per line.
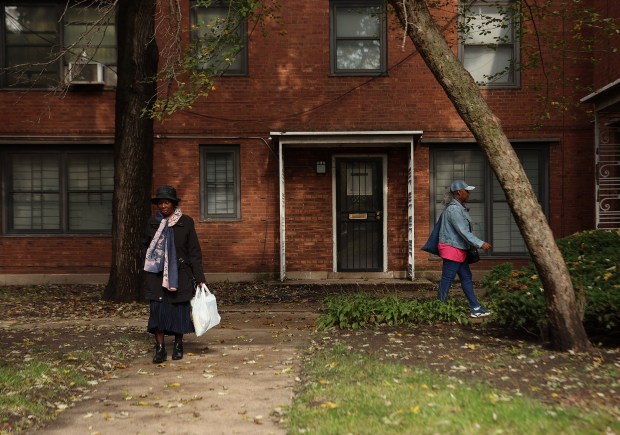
(204,310)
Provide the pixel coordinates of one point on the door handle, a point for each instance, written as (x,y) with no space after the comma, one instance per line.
(378,215)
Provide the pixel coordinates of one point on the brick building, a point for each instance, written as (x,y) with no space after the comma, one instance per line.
(325,150)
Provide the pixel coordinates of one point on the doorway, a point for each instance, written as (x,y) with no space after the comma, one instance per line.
(359,214)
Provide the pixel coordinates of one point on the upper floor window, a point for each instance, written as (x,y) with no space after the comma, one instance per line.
(208,26)
(220,183)
(58,191)
(488,45)
(358,37)
(46,45)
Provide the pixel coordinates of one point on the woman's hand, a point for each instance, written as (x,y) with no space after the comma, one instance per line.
(486,245)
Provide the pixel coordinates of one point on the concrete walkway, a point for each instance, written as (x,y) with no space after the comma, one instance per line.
(238,378)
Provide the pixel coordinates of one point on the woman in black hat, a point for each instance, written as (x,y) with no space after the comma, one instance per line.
(173,263)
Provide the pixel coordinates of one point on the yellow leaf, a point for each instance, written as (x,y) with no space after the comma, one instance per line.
(174,385)
(493,398)
(328,405)
(415,409)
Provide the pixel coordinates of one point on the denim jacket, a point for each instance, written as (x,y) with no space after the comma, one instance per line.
(456,227)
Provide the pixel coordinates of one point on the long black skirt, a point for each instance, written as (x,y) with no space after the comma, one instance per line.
(170,318)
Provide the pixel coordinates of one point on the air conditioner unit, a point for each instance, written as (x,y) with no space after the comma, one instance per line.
(81,73)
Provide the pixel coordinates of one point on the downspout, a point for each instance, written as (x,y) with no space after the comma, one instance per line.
(282,213)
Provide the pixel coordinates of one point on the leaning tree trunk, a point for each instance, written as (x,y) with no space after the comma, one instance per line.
(566,328)
(133,148)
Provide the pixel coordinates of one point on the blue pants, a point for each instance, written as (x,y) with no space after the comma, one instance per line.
(448,271)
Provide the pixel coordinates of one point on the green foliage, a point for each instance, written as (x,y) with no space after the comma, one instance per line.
(190,73)
(592,257)
(361,310)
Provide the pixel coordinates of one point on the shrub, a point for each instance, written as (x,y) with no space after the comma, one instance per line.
(592,257)
(361,310)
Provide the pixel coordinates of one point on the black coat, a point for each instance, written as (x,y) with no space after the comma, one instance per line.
(189,258)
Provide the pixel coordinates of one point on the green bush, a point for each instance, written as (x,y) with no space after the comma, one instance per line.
(361,310)
(517,296)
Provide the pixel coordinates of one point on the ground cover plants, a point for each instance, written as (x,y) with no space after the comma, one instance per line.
(515,296)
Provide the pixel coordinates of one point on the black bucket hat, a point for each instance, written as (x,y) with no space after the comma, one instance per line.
(165,192)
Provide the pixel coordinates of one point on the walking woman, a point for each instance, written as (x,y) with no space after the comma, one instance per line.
(455,239)
(173,263)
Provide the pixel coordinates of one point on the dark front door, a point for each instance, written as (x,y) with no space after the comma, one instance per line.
(359,205)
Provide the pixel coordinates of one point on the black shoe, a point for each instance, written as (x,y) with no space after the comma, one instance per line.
(160,354)
(177,350)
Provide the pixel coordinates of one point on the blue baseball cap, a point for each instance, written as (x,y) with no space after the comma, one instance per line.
(460,185)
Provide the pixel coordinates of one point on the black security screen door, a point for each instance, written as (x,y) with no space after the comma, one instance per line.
(359,205)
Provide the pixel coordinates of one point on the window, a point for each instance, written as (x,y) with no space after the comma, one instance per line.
(488,44)
(358,37)
(220,183)
(51,192)
(488,206)
(208,24)
(41,41)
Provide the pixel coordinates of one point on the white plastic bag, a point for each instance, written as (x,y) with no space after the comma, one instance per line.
(204,310)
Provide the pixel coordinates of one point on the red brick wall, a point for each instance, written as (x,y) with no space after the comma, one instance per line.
(250,244)
(309,233)
(607,69)
(289,88)
(55,255)
(40,112)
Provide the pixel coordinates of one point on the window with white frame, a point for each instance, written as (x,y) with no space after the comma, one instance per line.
(358,37)
(488,206)
(208,26)
(489,46)
(41,41)
(220,183)
(58,192)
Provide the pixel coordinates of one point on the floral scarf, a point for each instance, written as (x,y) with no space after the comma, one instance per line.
(162,254)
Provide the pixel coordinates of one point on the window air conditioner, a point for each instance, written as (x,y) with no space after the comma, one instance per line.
(81,73)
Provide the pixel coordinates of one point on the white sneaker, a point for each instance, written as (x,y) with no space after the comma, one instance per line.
(479,312)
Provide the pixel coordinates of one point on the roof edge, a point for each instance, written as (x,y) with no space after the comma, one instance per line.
(601,91)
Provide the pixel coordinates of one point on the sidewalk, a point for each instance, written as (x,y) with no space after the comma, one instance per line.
(235,379)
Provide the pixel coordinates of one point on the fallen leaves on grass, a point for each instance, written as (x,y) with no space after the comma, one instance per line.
(514,365)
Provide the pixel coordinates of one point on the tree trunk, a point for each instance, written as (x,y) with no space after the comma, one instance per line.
(133,149)
(566,328)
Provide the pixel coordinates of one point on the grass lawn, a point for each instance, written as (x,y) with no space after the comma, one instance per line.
(349,392)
